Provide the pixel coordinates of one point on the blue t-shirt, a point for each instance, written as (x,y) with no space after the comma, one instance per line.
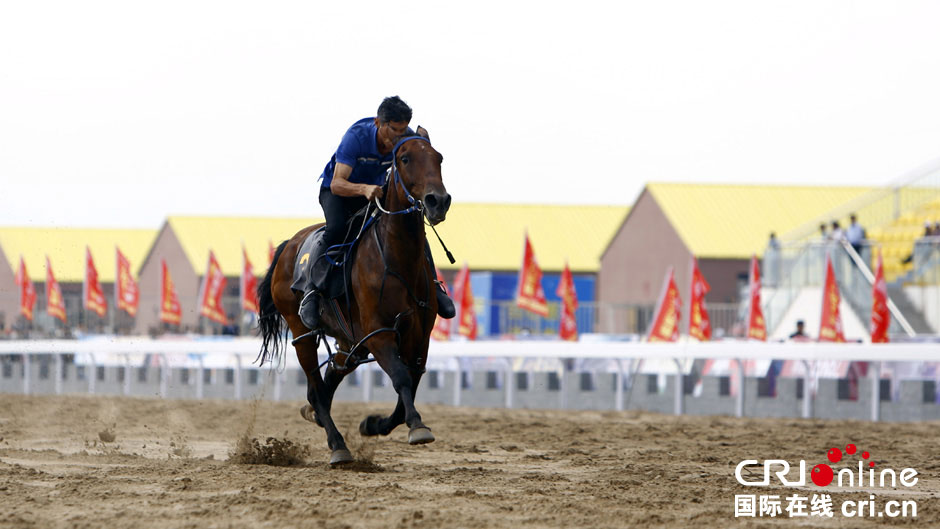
(359,150)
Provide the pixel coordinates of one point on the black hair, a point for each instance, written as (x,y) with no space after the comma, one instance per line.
(394,109)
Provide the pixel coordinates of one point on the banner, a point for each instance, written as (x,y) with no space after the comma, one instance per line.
(668,312)
(830,323)
(880,317)
(756,327)
(248,285)
(170,311)
(467,324)
(92,297)
(568,326)
(126,291)
(210,295)
(700,326)
(441,330)
(27,291)
(530,295)
(55,304)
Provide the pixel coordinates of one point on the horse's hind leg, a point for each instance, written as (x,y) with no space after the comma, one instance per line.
(329,383)
(320,396)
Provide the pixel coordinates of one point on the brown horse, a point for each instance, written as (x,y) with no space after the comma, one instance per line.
(390,308)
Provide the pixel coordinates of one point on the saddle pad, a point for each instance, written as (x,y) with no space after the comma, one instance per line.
(301,279)
(321,274)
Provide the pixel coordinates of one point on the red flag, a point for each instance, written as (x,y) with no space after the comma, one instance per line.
(441,330)
(700,326)
(756,327)
(210,296)
(880,318)
(92,296)
(666,323)
(125,287)
(568,326)
(248,285)
(530,295)
(830,324)
(170,310)
(27,291)
(55,305)
(468,318)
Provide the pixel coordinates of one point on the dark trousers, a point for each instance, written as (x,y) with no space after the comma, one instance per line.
(337,211)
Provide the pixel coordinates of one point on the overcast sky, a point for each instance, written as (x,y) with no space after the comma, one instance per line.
(121,113)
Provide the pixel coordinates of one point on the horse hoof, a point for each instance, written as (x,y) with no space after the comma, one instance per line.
(419,436)
(369,425)
(340,457)
(307,413)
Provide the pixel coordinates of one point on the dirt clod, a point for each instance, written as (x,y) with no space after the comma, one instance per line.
(275,452)
(107,435)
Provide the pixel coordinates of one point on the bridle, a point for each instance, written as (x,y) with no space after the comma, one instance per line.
(416,204)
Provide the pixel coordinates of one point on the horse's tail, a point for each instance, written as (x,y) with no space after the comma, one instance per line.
(273,337)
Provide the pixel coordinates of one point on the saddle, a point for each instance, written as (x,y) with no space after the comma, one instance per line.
(331,273)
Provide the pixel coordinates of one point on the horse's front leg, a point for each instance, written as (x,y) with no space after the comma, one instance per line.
(405,381)
(320,398)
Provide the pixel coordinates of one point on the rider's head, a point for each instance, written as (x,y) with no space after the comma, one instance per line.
(392,120)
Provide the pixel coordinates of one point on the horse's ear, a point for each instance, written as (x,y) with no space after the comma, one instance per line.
(423,132)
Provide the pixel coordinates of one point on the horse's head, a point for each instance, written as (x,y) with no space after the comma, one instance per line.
(418,169)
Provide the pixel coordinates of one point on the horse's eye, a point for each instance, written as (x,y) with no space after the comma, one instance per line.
(404,160)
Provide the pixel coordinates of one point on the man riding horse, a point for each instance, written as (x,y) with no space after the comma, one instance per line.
(354,177)
(391,301)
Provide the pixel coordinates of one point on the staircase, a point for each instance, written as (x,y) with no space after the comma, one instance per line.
(914,316)
(803,266)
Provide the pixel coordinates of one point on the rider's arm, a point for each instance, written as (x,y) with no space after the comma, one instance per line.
(342,187)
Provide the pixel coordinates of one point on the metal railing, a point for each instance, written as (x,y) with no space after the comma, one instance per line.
(926,259)
(795,266)
(181,354)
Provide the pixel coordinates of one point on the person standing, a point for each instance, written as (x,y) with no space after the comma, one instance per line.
(855,234)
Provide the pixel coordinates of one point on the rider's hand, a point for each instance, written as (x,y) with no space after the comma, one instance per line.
(372,192)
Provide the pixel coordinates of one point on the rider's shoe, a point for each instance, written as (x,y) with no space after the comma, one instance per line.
(445,305)
(310,310)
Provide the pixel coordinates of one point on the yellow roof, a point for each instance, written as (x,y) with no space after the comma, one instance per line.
(491,236)
(487,236)
(735,221)
(66,250)
(225,236)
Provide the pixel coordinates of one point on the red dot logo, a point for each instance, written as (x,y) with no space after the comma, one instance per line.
(834,455)
(865,455)
(850,449)
(822,474)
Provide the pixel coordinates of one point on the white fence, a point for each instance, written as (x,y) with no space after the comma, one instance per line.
(239,353)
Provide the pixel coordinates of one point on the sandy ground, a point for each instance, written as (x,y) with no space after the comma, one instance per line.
(81,461)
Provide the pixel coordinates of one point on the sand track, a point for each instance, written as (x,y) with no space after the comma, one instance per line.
(168,467)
